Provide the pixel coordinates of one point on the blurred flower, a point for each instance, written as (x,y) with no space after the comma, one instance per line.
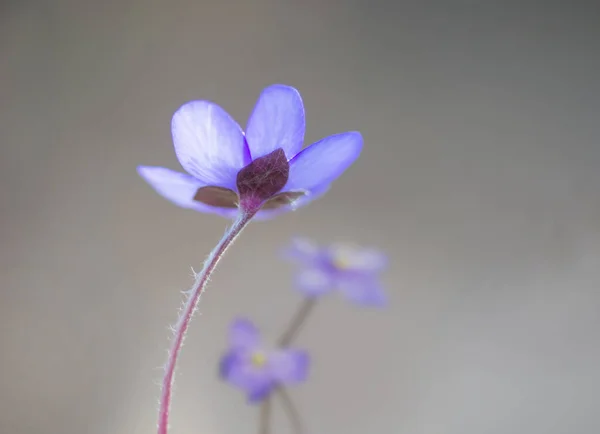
(264,168)
(256,370)
(350,269)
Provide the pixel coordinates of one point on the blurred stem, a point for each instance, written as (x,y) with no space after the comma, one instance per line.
(187,313)
(265,416)
(291,410)
(297,321)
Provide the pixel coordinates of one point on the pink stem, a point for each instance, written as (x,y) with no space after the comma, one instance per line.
(188,311)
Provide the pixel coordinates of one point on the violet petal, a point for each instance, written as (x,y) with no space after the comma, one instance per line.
(365,292)
(289,366)
(313,281)
(357,259)
(209,144)
(276,122)
(324,161)
(260,390)
(180,189)
(303,251)
(257,382)
(243,334)
(228,360)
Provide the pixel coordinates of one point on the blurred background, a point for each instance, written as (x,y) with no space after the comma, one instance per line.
(479,178)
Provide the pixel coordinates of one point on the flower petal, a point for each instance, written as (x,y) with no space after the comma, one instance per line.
(371,260)
(257,382)
(243,334)
(276,122)
(180,189)
(259,390)
(314,282)
(351,258)
(365,292)
(324,161)
(289,366)
(302,250)
(209,144)
(227,362)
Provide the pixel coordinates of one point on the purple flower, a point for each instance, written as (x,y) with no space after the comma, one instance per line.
(265,168)
(256,370)
(352,270)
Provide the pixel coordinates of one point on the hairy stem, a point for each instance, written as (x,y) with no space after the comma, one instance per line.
(297,321)
(265,416)
(187,313)
(291,411)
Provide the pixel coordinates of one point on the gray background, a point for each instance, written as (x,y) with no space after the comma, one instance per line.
(479,178)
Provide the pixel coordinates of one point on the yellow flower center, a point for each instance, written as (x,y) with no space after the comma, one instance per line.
(344,258)
(258,359)
(341,263)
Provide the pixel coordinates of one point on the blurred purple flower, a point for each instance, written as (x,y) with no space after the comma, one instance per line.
(352,270)
(263,168)
(256,370)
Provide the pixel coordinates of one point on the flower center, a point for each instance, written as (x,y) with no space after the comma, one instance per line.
(258,359)
(343,257)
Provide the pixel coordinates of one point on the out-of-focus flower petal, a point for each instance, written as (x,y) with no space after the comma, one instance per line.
(365,292)
(257,382)
(303,250)
(324,161)
(289,366)
(243,334)
(276,122)
(228,360)
(180,189)
(357,259)
(371,260)
(314,282)
(260,390)
(209,144)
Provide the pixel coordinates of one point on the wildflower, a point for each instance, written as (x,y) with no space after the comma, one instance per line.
(256,370)
(350,269)
(263,170)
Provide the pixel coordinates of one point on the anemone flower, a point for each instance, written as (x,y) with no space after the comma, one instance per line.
(264,170)
(354,271)
(248,365)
